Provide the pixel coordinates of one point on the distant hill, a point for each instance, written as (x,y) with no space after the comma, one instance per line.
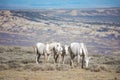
(98,28)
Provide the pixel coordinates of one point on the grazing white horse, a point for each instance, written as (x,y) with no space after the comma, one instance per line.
(54,49)
(40,49)
(79,50)
(65,52)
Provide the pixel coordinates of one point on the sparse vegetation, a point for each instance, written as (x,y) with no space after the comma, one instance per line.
(24,61)
(118,69)
(99,31)
(98,68)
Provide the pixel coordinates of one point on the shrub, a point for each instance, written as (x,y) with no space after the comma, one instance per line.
(95,68)
(3,67)
(28,66)
(16,47)
(36,68)
(96,55)
(104,68)
(41,67)
(45,67)
(30,52)
(98,68)
(9,50)
(2,59)
(118,69)
(26,61)
(62,67)
(49,67)
(2,49)
(14,65)
(115,62)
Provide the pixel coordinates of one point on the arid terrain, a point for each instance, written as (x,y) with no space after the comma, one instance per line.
(99,29)
(20,30)
(18,63)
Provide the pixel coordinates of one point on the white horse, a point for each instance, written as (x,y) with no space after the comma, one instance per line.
(65,52)
(54,49)
(79,50)
(40,49)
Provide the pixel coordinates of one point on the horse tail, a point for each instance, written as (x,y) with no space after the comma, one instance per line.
(35,50)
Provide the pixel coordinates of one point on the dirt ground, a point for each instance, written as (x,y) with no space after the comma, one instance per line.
(73,74)
(18,63)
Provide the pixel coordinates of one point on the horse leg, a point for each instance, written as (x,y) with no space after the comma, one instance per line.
(48,57)
(71,61)
(56,57)
(63,59)
(45,57)
(37,58)
(78,59)
(83,61)
(59,58)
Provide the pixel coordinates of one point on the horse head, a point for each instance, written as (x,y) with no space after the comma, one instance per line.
(87,59)
(66,49)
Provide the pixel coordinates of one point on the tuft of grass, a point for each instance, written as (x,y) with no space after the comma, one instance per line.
(26,61)
(9,50)
(98,68)
(4,67)
(96,55)
(2,49)
(118,69)
(14,65)
(45,67)
(16,47)
(28,66)
(115,62)
(39,67)
(29,52)
(95,68)
(49,67)
(62,67)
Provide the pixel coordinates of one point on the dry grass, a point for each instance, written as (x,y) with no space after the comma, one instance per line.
(98,68)
(76,74)
(118,69)
(21,63)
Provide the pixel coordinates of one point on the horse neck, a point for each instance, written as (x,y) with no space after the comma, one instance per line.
(84,50)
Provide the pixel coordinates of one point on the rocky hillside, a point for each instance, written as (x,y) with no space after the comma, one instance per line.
(99,29)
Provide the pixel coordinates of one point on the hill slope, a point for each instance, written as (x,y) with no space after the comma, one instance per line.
(99,29)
